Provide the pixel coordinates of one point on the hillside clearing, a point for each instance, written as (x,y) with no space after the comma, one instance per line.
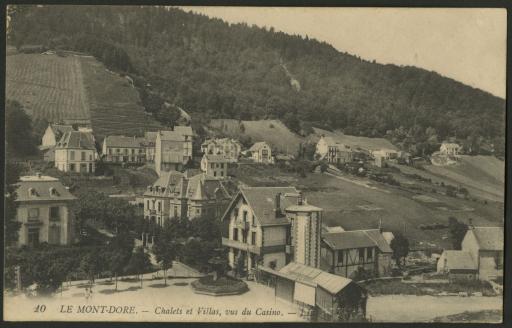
(353,141)
(273,132)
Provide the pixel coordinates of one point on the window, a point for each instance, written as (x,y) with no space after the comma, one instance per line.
(214,173)
(110,151)
(198,211)
(147,204)
(72,155)
(33,236)
(54,213)
(72,167)
(235,234)
(82,156)
(90,157)
(369,254)
(244,236)
(361,255)
(118,150)
(159,206)
(175,211)
(126,151)
(54,235)
(212,165)
(253,238)
(133,151)
(341,255)
(245,216)
(221,173)
(33,213)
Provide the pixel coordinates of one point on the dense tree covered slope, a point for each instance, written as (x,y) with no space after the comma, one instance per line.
(218,70)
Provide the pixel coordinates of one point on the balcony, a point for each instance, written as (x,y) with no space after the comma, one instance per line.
(242,246)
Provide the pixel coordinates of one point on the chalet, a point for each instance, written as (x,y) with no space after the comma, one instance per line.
(43,209)
(457,264)
(481,255)
(332,151)
(385,153)
(450,148)
(215,165)
(329,297)
(173,149)
(122,149)
(264,225)
(344,252)
(53,133)
(261,152)
(229,148)
(76,152)
(184,195)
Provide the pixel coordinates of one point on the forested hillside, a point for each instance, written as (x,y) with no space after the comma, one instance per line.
(217,70)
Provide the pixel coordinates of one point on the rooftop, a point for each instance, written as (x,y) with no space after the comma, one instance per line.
(356,239)
(489,238)
(124,141)
(459,260)
(259,145)
(43,188)
(76,140)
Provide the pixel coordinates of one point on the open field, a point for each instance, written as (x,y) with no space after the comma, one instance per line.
(76,87)
(114,104)
(272,131)
(353,141)
(358,203)
(483,173)
(48,86)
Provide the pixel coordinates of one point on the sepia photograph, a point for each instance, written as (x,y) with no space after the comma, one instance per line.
(254,164)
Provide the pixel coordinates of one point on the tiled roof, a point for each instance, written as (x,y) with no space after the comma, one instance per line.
(76,140)
(216,158)
(262,202)
(356,239)
(41,189)
(167,180)
(60,129)
(459,260)
(125,142)
(489,238)
(259,145)
(303,273)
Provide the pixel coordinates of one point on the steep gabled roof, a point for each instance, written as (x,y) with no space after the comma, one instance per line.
(168,180)
(262,202)
(77,140)
(490,238)
(60,129)
(259,145)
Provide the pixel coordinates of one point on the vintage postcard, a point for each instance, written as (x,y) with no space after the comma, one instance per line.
(254,164)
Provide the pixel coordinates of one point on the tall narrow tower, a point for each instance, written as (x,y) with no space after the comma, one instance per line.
(306,229)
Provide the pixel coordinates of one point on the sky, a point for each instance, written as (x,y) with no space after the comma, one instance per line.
(466,44)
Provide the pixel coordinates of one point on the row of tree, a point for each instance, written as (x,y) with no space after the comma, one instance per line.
(220,70)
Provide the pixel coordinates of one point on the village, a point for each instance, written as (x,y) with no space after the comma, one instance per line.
(198,221)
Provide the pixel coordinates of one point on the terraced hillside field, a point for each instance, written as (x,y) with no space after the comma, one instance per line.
(76,88)
(48,86)
(114,104)
(272,131)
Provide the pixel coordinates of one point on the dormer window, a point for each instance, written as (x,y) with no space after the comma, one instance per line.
(53,192)
(32,192)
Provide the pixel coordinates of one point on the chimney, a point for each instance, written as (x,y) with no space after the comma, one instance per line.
(278,204)
(300,199)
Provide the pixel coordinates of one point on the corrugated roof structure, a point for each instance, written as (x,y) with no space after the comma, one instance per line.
(303,273)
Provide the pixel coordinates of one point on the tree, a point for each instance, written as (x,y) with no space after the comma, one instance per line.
(457,232)
(400,247)
(165,253)
(91,264)
(205,227)
(18,130)
(12,226)
(121,247)
(139,263)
